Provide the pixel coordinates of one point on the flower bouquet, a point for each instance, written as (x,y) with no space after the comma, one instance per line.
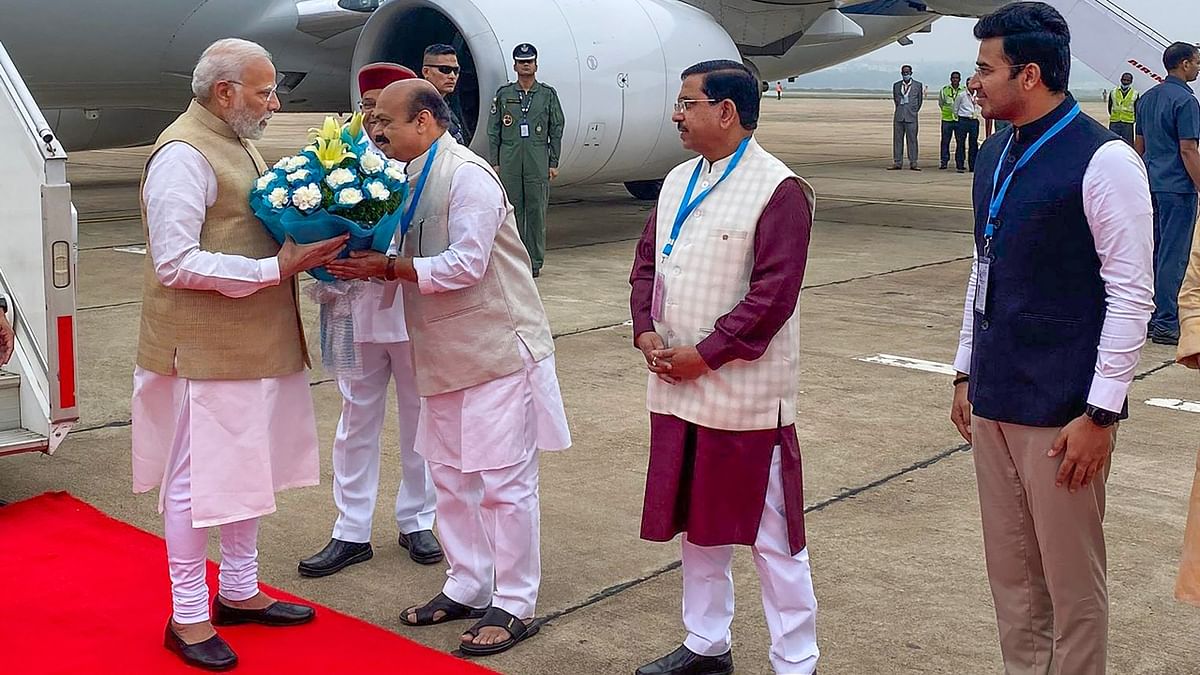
(337,184)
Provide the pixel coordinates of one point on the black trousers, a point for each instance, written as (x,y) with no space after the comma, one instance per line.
(966,134)
(949,130)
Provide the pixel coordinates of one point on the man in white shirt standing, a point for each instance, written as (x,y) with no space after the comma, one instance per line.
(967,131)
(379,331)
(484,362)
(1057,305)
(222,414)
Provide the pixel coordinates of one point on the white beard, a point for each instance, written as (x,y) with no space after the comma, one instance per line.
(246,125)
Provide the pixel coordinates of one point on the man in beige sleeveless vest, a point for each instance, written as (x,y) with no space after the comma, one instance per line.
(484,362)
(222,414)
(715,303)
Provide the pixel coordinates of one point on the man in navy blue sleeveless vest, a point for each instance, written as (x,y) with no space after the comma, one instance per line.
(1057,304)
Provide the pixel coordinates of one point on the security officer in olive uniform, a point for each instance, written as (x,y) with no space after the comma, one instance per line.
(525,133)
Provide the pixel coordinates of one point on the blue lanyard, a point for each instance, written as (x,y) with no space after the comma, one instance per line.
(407,218)
(688,204)
(999,195)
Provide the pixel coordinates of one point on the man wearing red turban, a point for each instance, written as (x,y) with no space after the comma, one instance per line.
(379,330)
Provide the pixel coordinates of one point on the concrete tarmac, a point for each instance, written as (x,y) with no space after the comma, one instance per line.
(893,522)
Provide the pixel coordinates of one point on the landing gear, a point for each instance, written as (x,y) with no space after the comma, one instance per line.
(645,190)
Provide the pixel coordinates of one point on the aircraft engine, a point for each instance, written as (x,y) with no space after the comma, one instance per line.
(615,65)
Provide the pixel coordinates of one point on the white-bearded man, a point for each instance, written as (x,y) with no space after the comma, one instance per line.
(222,414)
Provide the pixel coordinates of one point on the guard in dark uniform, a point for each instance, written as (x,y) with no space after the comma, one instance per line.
(525,140)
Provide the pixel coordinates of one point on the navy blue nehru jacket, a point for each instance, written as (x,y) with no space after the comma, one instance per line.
(1035,348)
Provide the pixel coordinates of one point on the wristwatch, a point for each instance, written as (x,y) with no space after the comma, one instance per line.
(1101,417)
(390,273)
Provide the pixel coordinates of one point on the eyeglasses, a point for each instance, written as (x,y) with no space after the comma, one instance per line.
(445,70)
(984,71)
(681,106)
(265,94)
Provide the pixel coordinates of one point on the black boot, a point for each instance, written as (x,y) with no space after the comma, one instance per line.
(423,547)
(684,661)
(336,555)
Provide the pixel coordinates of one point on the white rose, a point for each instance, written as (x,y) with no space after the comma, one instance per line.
(278,197)
(378,192)
(298,176)
(339,177)
(349,196)
(307,198)
(297,162)
(371,162)
(283,163)
(265,180)
(395,164)
(396,174)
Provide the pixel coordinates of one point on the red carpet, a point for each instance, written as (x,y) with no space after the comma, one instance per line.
(83,594)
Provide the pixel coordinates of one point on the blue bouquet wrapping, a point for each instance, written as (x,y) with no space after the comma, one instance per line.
(336,185)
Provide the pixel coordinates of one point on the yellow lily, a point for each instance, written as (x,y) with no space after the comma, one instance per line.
(331,152)
(329,131)
(355,125)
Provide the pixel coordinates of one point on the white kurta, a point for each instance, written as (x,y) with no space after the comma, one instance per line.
(247,438)
(486,426)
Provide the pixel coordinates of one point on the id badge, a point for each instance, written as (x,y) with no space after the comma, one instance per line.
(660,292)
(904,100)
(524,129)
(981,284)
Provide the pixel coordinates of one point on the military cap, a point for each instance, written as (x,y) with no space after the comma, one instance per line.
(525,52)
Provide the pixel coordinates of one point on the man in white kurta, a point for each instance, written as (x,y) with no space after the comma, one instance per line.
(222,415)
(484,367)
(377,311)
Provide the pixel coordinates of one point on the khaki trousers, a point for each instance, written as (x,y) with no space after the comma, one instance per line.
(1187,587)
(1045,553)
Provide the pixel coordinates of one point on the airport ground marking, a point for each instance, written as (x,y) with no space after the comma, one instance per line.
(1175,404)
(910,363)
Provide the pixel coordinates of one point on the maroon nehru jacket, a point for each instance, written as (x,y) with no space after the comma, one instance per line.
(712,483)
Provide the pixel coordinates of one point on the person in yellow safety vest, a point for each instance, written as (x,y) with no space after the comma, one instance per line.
(946,100)
(1121,102)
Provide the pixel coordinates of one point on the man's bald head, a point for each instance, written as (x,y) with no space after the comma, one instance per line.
(409,116)
(411,97)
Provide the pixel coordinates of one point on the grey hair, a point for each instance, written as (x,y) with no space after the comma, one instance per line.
(223,60)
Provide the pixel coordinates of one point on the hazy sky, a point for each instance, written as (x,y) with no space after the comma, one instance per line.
(1175,19)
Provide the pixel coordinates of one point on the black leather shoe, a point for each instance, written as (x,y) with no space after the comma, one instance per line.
(276,614)
(684,661)
(1163,338)
(336,555)
(423,547)
(212,654)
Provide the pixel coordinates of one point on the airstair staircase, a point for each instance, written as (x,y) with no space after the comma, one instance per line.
(38,252)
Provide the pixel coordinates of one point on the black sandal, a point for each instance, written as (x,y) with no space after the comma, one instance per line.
(517,629)
(452,611)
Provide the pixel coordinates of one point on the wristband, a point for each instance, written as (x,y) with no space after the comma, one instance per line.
(390,273)
(963,378)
